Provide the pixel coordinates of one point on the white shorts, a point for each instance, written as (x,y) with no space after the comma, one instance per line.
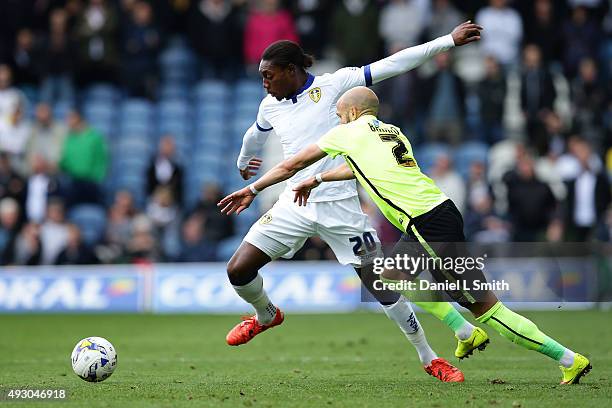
(283,230)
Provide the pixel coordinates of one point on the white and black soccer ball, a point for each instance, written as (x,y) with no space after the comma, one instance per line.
(94,359)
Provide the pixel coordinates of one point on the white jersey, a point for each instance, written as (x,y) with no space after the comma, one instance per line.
(302,119)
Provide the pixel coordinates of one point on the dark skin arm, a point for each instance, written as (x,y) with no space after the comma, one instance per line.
(240,200)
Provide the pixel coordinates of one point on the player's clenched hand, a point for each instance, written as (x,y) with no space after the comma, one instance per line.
(302,191)
(466,33)
(251,169)
(237,201)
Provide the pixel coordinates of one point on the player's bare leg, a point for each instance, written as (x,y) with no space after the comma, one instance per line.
(243,273)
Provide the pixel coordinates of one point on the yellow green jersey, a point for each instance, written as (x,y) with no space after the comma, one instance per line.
(382,160)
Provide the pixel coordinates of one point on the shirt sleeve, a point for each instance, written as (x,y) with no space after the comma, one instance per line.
(406,59)
(333,142)
(254,139)
(262,124)
(350,77)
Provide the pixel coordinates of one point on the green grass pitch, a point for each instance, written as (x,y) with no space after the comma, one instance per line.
(346,360)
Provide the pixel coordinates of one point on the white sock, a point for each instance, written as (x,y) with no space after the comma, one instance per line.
(568,358)
(254,293)
(465,331)
(402,314)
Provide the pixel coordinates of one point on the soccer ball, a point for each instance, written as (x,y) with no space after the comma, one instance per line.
(94,359)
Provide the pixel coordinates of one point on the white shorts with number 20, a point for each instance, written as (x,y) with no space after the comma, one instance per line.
(282,231)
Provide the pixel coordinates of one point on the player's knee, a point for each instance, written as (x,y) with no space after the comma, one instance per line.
(238,272)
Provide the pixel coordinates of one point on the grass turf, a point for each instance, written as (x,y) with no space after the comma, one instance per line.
(348,360)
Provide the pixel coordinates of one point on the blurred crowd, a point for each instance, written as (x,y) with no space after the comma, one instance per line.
(534,94)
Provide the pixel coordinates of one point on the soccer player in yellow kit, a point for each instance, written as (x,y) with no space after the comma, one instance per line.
(380,157)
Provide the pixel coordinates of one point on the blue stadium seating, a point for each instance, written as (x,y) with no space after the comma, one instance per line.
(61,109)
(228,246)
(249,88)
(137,109)
(427,154)
(210,91)
(102,92)
(178,64)
(172,90)
(468,153)
(91,219)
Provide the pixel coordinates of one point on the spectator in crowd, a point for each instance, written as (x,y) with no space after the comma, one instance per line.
(76,252)
(25,59)
(58,60)
(568,165)
(143,246)
(28,247)
(74,11)
(119,226)
(401,24)
(216,226)
(531,203)
(41,185)
(504,28)
(543,30)
(589,97)
(581,38)
(550,150)
(13,17)
(477,185)
(14,137)
(11,99)
(492,97)
(588,197)
(449,181)
(10,225)
(312,24)
(162,210)
(353,25)
(11,183)
(444,18)
(266,23)
(140,47)
(443,95)
(215,33)
(537,91)
(482,224)
(46,138)
(165,170)
(97,33)
(194,246)
(84,160)
(53,231)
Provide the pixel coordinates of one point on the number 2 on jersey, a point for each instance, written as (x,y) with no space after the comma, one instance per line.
(400,152)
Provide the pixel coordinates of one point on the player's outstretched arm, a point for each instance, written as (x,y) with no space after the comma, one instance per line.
(240,200)
(302,191)
(410,58)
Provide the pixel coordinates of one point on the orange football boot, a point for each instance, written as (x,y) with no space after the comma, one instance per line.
(250,327)
(444,371)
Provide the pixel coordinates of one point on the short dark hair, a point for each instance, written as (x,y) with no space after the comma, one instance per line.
(284,52)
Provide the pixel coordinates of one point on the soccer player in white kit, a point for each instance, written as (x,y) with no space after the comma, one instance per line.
(301,108)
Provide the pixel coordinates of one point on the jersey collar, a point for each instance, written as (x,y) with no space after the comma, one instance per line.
(309,81)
